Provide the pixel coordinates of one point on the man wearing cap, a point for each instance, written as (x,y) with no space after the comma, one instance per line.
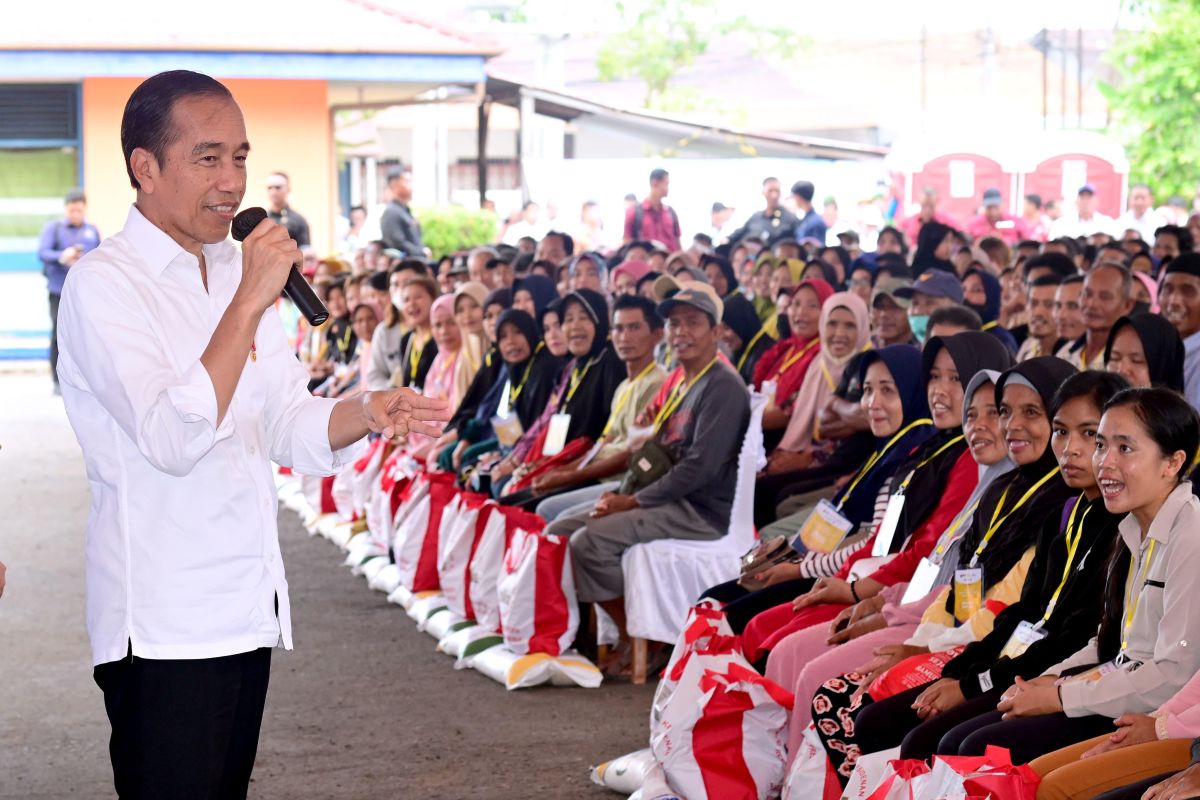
(889,313)
(933,290)
(399,227)
(62,243)
(1179,297)
(772,223)
(993,221)
(1086,220)
(697,435)
(1107,296)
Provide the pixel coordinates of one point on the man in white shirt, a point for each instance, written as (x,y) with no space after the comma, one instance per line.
(181,388)
(1179,296)
(1141,216)
(1086,220)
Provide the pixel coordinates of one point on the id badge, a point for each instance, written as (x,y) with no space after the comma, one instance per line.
(922,581)
(591,454)
(824,529)
(968,592)
(507,428)
(1097,673)
(556,434)
(504,408)
(887,528)
(1025,635)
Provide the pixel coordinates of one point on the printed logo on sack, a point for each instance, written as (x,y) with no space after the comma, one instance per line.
(518,551)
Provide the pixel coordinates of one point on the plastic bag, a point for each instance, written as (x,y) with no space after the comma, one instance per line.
(624,774)
(538,610)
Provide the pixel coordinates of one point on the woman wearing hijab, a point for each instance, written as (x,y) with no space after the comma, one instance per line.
(533,293)
(981,294)
(805,660)
(450,373)
(760,284)
(720,275)
(994,556)
(744,335)
(786,363)
(935,481)
(845,331)
(934,243)
(626,277)
(901,424)
(588,271)
(1146,350)
(1059,597)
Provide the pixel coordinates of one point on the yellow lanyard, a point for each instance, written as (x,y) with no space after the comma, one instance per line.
(987,326)
(746,353)
(513,394)
(344,343)
(577,377)
(623,398)
(414,357)
(995,524)
(938,452)
(948,537)
(677,396)
(828,377)
(1133,606)
(878,454)
(1072,547)
(790,359)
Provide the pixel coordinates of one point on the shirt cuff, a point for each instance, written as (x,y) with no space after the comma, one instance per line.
(1162,726)
(195,399)
(311,453)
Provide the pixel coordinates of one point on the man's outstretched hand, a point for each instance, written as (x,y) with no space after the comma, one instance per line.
(399,412)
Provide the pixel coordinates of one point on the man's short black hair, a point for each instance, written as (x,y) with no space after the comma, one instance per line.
(411,265)
(286,178)
(1045,280)
(658,174)
(1034,199)
(804,190)
(704,239)
(568,243)
(957,316)
(643,304)
(1062,265)
(1182,235)
(74,196)
(770,179)
(397,172)
(147,121)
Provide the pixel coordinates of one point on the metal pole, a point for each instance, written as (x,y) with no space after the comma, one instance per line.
(1045,79)
(481,159)
(1079,74)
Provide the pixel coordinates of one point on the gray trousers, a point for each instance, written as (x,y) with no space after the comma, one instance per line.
(598,544)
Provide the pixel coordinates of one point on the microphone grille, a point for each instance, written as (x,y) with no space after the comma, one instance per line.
(246,221)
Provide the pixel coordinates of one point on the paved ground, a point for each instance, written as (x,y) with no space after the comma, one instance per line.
(363,708)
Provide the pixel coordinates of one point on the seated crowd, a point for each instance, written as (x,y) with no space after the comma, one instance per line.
(979,458)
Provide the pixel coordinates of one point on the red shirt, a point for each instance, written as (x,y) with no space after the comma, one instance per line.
(912,225)
(1009,228)
(658,225)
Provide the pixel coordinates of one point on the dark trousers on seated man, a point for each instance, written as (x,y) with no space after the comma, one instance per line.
(597,544)
(184,729)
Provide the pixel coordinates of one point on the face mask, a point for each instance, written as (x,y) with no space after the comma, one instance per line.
(396,299)
(978,309)
(919,323)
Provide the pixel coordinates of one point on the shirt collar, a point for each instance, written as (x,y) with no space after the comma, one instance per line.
(157,249)
(1164,521)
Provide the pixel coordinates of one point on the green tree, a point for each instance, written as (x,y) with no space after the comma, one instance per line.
(661,38)
(1156,95)
(449,229)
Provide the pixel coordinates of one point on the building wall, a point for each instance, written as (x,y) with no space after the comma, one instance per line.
(289,127)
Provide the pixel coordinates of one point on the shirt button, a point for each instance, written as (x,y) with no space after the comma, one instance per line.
(252,450)
(1183,643)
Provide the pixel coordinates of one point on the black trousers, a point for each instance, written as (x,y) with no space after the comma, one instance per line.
(892,721)
(1134,791)
(54,298)
(1025,737)
(185,729)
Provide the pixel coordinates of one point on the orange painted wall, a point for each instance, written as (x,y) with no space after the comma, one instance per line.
(289,129)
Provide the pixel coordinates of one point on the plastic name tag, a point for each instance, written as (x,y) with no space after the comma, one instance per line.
(508,429)
(1025,635)
(504,408)
(921,582)
(768,390)
(968,593)
(823,531)
(887,528)
(556,434)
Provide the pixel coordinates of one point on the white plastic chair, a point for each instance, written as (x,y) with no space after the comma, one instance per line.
(664,578)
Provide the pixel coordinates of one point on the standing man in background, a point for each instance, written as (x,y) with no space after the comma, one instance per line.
(809,224)
(652,220)
(399,227)
(279,186)
(61,244)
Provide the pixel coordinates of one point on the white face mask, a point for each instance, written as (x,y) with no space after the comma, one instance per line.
(396,295)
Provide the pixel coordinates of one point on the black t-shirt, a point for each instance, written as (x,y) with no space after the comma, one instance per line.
(297,226)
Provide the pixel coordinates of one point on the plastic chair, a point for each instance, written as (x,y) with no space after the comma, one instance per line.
(664,578)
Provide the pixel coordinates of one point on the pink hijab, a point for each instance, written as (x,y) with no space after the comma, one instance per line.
(823,377)
(1152,287)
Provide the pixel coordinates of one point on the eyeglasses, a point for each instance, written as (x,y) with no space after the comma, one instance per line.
(276,186)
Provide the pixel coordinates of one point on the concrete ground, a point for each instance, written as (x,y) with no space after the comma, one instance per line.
(363,708)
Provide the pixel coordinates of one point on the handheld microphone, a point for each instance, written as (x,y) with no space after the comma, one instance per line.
(297,289)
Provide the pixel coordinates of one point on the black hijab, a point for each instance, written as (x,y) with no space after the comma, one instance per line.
(932,234)
(971,352)
(540,288)
(501,297)
(1019,530)
(536,376)
(595,375)
(741,318)
(1162,345)
(726,268)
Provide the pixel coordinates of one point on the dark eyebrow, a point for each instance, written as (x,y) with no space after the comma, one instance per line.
(204,146)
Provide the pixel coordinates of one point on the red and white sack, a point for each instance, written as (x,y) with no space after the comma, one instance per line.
(811,776)
(871,771)
(706,632)
(415,544)
(487,564)
(476,513)
(342,493)
(723,736)
(363,478)
(319,493)
(538,610)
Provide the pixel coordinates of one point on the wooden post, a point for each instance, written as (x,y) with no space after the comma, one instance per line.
(639,661)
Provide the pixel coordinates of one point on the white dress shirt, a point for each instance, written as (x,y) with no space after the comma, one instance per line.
(182,551)
(1191,370)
